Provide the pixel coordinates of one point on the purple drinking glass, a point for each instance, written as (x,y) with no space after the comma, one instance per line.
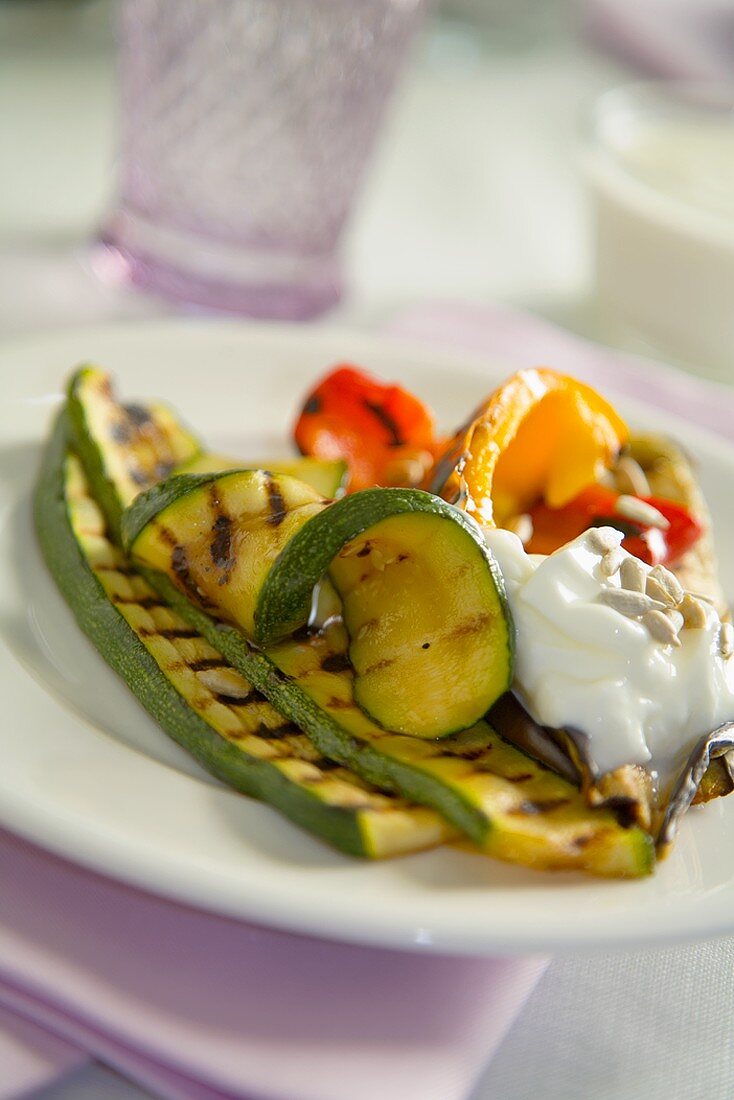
(246,128)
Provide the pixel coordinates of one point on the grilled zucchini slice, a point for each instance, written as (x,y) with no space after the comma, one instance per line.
(512,807)
(218,535)
(328,478)
(198,698)
(127,448)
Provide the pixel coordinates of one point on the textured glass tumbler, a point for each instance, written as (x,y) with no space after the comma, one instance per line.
(246,127)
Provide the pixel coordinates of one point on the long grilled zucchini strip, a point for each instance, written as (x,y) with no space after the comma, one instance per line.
(196,696)
(513,808)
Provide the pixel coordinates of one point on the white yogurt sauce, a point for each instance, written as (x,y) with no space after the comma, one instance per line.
(582,664)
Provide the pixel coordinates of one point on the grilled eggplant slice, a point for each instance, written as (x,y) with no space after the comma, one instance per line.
(199,699)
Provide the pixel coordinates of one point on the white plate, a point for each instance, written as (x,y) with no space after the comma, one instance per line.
(86,773)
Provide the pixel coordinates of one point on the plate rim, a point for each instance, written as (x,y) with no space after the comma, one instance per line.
(92,851)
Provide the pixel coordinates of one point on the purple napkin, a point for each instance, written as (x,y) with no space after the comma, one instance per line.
(197,1007)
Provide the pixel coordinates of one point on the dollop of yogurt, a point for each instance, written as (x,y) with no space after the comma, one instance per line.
(581,663)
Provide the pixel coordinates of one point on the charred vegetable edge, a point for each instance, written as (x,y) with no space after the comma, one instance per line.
(123,652)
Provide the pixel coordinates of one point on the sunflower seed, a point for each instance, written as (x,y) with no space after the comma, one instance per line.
(629,603)
(603,539)
(654,588)
(611,561)
(631,478)
(726,640)
(675,618)
(694,613)
(639,511)
(633,574)
(669,582)
(661,628)
(224,681)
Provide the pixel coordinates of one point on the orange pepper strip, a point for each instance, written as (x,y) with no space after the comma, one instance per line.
(540,436)
(385,433)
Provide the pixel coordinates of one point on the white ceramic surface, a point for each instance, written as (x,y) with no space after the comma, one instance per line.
(660,163)
(87,774)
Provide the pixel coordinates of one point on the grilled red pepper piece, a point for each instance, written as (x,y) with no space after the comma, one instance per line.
(596,506)
(385,433)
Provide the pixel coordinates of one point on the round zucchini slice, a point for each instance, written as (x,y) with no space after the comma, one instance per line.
(218,535)
(431,639)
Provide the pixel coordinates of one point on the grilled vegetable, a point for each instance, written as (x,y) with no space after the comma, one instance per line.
(218,535)
(670,535)
(513,808)
(474,779)
(328,478)
(423,603)
(541,435)
(385,433)
(128,448)
(708,773)
(200,700)
(670,475)
(423,600)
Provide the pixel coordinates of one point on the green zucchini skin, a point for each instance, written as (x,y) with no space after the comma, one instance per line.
(285,598)
(422,567)
(326,476)
(91,401)
(446,775)
(349,828)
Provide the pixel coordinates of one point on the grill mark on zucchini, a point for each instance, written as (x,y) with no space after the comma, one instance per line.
(146,602)
(180,566)
(336,662)
(123,570)
(377,666)
(277,733)
(220,548)
(278,508)
(138,476)
(121,432)
(471,626)
(204,663)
